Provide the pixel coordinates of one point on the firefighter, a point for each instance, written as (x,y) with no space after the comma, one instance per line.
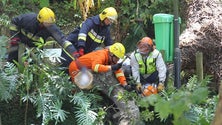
(104,61)
(30,28)
(148,67)
(92,33)
(101,61)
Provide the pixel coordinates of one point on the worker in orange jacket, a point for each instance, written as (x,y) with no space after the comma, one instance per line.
(102,61)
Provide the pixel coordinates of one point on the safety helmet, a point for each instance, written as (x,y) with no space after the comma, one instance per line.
(46,15)
(145,45)
(149,90)
(146,40)
(109,13)
(118,50)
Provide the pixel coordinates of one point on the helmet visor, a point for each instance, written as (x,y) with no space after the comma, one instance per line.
(46,24)
(111,20)
(143,48)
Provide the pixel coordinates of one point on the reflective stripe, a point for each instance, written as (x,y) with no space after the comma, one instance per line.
(31,36)
(95,38)
(96,69)
(148,66)
(82,36)
(13,27)
(93,35)
(119,74)
(69,54)
(66,44)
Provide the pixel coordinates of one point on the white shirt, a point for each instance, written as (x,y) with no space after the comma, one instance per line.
(160,66)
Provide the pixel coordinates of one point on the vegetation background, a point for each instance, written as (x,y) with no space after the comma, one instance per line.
(42,93)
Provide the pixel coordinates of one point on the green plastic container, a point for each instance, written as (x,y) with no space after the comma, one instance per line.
(163,26)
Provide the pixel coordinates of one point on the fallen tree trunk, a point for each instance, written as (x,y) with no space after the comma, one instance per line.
(128,111)
(203,34)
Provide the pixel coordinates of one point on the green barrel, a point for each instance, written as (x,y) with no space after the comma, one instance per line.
(163,26)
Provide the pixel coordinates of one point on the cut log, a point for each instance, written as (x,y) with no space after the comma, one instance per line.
(204,34)
(107,82)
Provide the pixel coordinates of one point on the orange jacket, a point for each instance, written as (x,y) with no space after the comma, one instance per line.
(97,61)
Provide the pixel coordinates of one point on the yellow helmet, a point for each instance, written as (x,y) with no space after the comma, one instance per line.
(118,50)
(46,15)
(109,13)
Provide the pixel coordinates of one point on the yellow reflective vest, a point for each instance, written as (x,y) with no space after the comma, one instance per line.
(146,65)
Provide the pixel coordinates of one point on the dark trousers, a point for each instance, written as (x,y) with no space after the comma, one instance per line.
(153,78)
(13,55)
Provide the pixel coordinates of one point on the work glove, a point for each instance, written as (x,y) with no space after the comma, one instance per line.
(81,51)
(116,66)
(76,54)
(160,87)
(14,41)
(139,87)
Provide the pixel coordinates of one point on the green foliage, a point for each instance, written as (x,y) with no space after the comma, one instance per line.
(3,48)
(8,82)
(44,3)
(84,115)
(135,34)
(136,19)
(4,20)
(57,112)
(8,73)
(47,88)
(191,104)
(66,16)
(147,115)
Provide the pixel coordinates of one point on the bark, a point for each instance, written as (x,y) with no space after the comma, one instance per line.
(204,34)
(129,112)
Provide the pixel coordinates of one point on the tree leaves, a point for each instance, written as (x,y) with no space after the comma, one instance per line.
(162,107)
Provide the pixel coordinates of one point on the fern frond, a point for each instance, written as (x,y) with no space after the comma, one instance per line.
(57,113)
(85,116)
(43,102)
(162,107)
(4,20)
(81,100)
(8,81)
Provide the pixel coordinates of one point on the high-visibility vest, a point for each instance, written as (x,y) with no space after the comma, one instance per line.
(148,66)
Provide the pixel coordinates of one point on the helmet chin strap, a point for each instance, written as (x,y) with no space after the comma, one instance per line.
(102,23)
(112,56)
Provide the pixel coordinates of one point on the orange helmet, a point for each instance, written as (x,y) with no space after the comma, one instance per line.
(146,40)
(150,89)
(145,45)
